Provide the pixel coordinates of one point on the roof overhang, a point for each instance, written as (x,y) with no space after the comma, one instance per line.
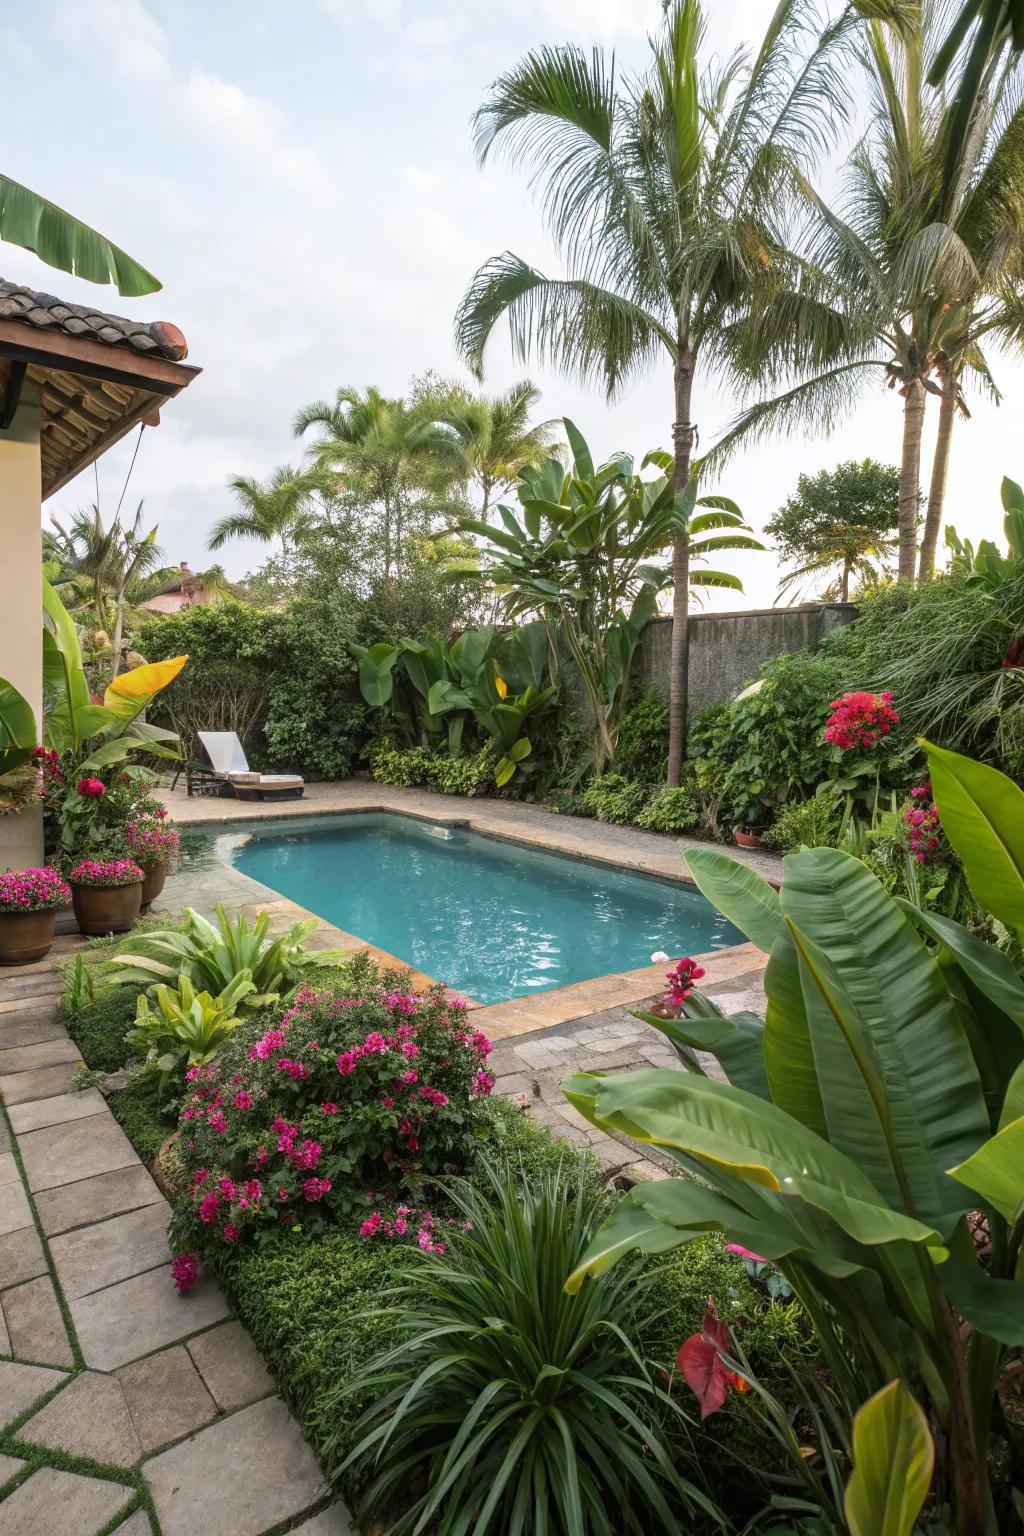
(92,393)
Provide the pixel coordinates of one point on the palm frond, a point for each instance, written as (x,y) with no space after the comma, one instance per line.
(815,405)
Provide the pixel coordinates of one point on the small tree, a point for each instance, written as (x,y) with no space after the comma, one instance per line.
(837,525)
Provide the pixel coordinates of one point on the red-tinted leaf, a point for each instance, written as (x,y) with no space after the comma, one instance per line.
(716,1332)
(703,1373)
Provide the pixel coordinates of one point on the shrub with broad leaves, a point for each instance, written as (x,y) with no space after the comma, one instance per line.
(343,1096)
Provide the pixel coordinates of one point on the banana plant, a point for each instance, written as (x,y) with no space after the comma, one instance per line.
(868,1118)
(581,550)
(985,566)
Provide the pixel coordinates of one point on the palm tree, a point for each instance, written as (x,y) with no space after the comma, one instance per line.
(121,563)
(924,257)
(668,196)
(267,510)
(493,434)
(28,220)
(385,453)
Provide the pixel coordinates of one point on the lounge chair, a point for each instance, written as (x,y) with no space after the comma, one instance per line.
(225,771)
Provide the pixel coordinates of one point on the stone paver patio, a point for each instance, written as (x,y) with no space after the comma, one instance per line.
(154,1397)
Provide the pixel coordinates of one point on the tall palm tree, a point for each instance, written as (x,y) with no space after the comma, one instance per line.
(668,196)
(494,435)
(59,239)
(385,452)
(267,510)
(924,254)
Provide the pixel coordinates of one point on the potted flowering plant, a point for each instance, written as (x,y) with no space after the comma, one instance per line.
(152,845)
(106,894)
(29,899)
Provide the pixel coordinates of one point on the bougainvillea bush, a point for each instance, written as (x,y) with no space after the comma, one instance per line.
(32,890)
(340,1101)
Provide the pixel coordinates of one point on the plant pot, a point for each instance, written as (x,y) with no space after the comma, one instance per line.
(747,837)
(103,909)
(153,884)
(26,936)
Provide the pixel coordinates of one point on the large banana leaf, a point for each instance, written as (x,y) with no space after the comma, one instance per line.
(17,728)
(990,969)
(788,1053)
(996,1169)
(59,239)
(983,816)
(893,1459)
(740,894)
(994,1307)
(736,1042)
(376,668)
(731,1130)
(899,1084)
(130,693)
(68,720)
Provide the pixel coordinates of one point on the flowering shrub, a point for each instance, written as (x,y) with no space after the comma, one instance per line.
(860,720)
(184,1272)
(105,872)
(149,842)
(923,825)
(344,1093)
(423,1225)
(91,789)
(32,890)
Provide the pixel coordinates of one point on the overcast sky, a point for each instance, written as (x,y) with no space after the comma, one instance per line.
(301,178)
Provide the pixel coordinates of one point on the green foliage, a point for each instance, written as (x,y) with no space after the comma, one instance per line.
(836,526)
(79,987)
(893,1457)
(144,1118)
(285,681)
(613,798)
(810,823)
(186,1028)
(463,775)
(641,748)
(560,1420)
(60,240)
(671,810)
(99,1026)
(404,767)
(880,1107)
(213,955)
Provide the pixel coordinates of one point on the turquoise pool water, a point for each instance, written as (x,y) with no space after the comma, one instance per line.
(490,918)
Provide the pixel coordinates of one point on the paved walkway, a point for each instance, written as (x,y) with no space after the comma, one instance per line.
(117,1396)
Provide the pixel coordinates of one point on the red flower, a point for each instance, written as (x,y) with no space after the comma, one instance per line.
(91,788)
(860,720)
(184,1272)
(700,1360)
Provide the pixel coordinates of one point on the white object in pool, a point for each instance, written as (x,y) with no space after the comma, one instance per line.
(444,832)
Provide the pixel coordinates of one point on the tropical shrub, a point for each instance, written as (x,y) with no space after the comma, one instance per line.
(541,1413)
(811,823)
(105,873)
(213,955)
(405,768)
(613,798)
(864,1125)
(186,1028)
(671,810)
(463,775)
(338,1096)
(641,748)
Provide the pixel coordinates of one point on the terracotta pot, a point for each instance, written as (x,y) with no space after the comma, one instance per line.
(153,884)
(746,838)
(102,909)
(25,936)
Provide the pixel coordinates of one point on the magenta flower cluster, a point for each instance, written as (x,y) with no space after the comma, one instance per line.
(407,1222)
(681,979)
(33,890)
(924,826)
(151,843)
(287,1129)
(106,872)
(184,1271)
(860,720)
(91,789)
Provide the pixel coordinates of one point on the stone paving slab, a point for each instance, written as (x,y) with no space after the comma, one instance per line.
(91,1258)
(43,1002)
(166,1397)
(330,1522)
(35,1324)
(41,1024)
(89,1200)
(9,1467)
(5,1339)
(8,1168)
(26,983)
(140,1315)
(21,1257)
(43,1083)
(21,1385)
(85,1504)
(240,1477)
(75,1150)
(231,1366)
(46,1053)
(136,1525)
(88,1418)
(39,1113)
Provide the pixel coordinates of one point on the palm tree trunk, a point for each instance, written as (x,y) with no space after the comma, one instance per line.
(679,666)
(844,590)
(118,632)
(910,478)
(940,469)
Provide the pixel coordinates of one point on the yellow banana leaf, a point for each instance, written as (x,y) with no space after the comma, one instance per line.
(130,693)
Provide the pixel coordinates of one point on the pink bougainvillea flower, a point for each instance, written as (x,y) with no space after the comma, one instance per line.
(860,719)
(184,1271)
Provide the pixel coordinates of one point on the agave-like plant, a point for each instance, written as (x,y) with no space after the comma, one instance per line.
(212,955)
(869,1116)
(186,1027)
(521,1407)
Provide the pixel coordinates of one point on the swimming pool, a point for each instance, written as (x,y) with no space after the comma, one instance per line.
(490,918)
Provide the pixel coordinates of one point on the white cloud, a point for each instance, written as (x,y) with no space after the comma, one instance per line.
(133,40)
(256,129)
(601,18)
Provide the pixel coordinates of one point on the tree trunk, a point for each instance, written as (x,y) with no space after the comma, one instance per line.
(940,469)
(118,632)
(844,590)
(679,679)
(910,478)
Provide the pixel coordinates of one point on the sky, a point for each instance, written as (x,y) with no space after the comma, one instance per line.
(301,177)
